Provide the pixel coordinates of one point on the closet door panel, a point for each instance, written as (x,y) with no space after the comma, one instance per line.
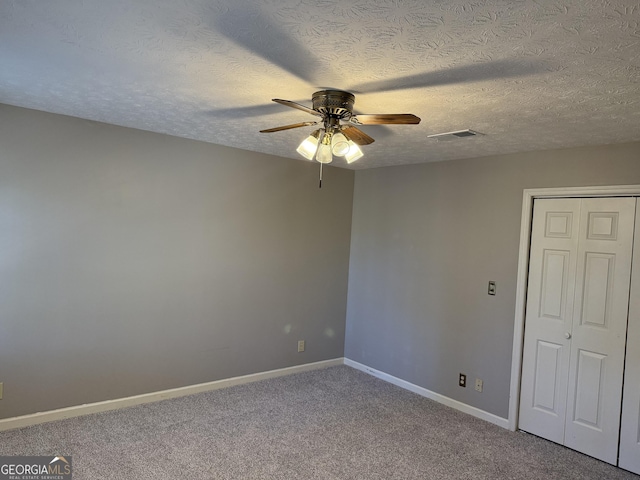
(599,326)
(549,313)
(630,430)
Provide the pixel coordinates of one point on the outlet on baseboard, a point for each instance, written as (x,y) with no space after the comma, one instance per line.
(462,380)
(300,345)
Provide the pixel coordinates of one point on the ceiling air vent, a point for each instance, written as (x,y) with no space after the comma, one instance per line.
(454,135)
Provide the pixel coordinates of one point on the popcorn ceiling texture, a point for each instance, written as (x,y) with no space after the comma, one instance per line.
(530,75)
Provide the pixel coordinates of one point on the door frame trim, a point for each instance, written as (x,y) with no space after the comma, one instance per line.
(529,195)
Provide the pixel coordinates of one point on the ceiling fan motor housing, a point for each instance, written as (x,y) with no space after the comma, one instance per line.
(334,103)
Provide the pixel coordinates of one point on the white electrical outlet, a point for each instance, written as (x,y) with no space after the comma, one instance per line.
(478,385)
(300,345)
(1,389)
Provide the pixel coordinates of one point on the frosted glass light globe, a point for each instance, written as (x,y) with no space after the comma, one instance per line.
(339,144)
(324,154)
(354,153)
(308,147)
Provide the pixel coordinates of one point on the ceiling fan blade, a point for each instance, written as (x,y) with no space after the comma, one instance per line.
(386,119)
(291,104)
(496,69)
(289,127)
(356,135)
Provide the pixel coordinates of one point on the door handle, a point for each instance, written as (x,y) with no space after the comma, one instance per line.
(567,335)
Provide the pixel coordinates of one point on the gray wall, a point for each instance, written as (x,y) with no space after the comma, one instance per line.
(132,262)
(425,241)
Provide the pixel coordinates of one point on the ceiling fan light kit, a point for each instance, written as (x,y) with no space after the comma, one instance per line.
(336,139)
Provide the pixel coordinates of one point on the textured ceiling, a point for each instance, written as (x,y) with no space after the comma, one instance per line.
(529,75)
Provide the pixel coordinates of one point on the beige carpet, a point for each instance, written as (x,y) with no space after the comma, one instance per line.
(336,423)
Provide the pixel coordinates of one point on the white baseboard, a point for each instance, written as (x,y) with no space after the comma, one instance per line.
(86,409)
(450,402)
(89,408)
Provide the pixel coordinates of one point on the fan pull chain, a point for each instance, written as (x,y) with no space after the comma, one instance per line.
(320,184)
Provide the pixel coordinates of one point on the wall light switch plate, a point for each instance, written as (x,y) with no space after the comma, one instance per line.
(492,288)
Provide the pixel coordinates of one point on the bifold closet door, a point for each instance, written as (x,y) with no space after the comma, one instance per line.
(576,321)
(548,317)
(630,430)
(599,330)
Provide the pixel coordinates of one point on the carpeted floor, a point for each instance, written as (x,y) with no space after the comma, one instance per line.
(336,423)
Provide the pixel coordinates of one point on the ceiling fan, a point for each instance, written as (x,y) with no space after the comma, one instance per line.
(276,45)
(339,134)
